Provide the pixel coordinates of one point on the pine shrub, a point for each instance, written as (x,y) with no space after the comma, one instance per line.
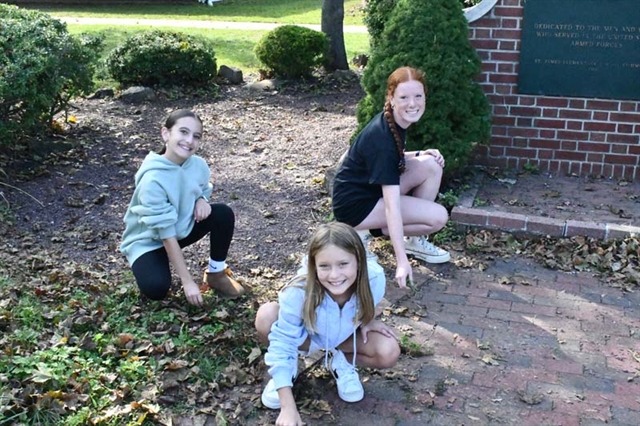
(163,58)
(292,51)
(42,67)
(431,35)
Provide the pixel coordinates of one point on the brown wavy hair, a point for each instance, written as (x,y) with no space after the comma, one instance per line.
(400,75)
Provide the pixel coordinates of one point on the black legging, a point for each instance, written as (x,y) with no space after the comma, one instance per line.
(151,270)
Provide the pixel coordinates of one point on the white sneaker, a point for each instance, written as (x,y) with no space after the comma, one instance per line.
(366,237)
(270,397)
(349,386)
(421,248)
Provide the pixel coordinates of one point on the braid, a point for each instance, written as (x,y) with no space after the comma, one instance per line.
(388,115)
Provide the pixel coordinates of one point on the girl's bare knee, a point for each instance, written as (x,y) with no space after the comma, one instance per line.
(388,357)
(265,317)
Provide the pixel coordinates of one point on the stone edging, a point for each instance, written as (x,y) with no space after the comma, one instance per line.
(466,215)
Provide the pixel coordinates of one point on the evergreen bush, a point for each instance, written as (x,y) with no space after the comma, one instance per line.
(292,51)
(431,35)
(42,67)
(163,58)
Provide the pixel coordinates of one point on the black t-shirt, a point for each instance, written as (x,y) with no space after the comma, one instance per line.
(372,161)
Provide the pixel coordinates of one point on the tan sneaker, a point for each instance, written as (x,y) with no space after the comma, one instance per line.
(222,283)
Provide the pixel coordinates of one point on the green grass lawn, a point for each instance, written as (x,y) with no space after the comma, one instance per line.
(275,11)
(234,48)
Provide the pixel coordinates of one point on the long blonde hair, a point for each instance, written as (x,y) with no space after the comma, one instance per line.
(400,75)
(345,237)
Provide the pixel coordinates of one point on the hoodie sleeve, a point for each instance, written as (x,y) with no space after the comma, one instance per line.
(377,281)
(286,336)
(154,209)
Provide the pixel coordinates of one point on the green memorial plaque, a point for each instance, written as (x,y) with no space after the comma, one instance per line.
(588,48)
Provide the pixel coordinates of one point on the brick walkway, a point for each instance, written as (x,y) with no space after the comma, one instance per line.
(551,348)
(554,349)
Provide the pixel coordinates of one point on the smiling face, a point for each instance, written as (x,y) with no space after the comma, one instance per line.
(337,270)
(182,139)
(408,103)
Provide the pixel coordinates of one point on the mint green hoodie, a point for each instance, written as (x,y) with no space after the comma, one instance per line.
(163,203)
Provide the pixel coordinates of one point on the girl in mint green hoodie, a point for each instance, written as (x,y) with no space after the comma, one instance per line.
(170,210)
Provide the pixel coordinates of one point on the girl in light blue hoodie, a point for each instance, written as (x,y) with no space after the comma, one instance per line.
(331,308)
(170,210)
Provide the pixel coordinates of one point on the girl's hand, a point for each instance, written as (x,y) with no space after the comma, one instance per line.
(202,210)
(436,154)
(192,293)
(403,271)
(289,417)
(376,327)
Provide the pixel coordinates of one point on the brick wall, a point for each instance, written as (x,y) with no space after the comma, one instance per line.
(560,135)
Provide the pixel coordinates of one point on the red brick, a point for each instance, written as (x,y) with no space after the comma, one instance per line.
(597,137)
(604,105)
(508,221)
(627,395)
(483,302)
(525,100)
(507,45)
(575,114)
(628,106)
(553,102)
(558,365)
(593,147)
(600,127)
(576,103)
(552,124)
(537,417)
(574,125)
(527,308)
(629,139)
(577,136)
(484,44)
(505,56)
(621,159)
(468,216)
(619,149)
(507,11)
(587,229)
(573,156)
(627,118)
(544,143)
(508,34)
(595,158)
(624,128)
(526,111)
(528,133)
(600,116)
(545,226)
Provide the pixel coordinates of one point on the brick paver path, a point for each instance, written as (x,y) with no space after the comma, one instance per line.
(553,349)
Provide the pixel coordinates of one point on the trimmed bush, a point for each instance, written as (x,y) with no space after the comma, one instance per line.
(42,67)
(163,58)
(292,51)
(432,35)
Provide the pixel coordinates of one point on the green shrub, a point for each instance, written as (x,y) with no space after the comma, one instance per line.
(163,58)
(292,51)
(432,35)
(376,13)
(42,67)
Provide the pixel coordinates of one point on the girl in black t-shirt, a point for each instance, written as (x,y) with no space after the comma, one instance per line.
(382,190)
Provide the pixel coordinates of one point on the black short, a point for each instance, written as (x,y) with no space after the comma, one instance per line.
(355,212)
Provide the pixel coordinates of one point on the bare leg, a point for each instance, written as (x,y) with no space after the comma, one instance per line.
(265,317)
(379,352)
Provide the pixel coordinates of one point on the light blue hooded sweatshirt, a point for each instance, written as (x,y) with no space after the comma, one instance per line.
(163,203)
(333,326)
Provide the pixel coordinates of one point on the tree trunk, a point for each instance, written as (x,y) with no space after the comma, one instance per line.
(332,26)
